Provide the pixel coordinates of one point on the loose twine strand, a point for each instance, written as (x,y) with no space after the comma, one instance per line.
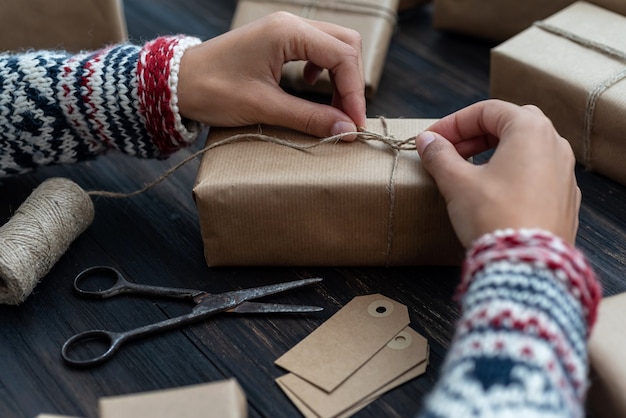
(594,95)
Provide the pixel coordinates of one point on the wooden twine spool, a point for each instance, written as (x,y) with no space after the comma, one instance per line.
(39,233)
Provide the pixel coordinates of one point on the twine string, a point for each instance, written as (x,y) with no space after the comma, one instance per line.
(598,90)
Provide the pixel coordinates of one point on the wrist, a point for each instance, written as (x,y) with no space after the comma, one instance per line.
(542,250)
(157,78)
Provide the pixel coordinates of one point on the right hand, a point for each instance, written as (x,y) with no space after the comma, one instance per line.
(529,182)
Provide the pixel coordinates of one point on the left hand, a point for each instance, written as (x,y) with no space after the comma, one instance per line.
(529,181)
(233,79)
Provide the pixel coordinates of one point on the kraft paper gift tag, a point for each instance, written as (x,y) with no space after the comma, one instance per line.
(262,203)
(309,413)
(361,328)
(223,399)
(572,66)
(61,24)
(361,352)
(407,351)
(375,20)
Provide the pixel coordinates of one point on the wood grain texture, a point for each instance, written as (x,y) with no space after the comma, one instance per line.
(155,239)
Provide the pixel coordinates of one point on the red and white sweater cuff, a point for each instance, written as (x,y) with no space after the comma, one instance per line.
(157,74)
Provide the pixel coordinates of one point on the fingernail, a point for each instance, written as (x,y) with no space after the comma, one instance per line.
(343,127)
(423,140)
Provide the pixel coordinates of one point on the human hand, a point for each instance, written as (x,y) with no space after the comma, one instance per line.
(529,182)
(233,79)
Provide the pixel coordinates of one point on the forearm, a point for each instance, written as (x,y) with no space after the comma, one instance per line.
(529,301)
(57,108)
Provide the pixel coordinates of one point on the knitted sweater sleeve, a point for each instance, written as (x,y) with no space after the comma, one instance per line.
(528,303)
(58,108)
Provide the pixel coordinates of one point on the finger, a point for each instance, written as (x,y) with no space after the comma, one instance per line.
(474,146)
(440,158)
(533,109)
(486,120)
(346,35)
(323,46)
(352,38)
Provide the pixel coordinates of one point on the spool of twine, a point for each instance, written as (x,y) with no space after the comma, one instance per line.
(40,231)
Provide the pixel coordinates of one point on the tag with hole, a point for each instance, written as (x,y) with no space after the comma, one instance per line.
(346,341)
(405,356)
(361,352)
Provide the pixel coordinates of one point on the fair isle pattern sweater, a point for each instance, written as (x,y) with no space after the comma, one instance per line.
(528,303)
(58,108)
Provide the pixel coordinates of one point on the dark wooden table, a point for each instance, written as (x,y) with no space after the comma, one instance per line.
(155,238)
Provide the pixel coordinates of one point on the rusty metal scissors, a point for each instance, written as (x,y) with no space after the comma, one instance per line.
(206,304)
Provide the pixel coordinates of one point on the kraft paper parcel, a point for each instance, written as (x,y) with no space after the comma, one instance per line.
(261,203)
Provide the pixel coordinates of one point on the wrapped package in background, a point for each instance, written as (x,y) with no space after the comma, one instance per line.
(262,203)
(498,20)
(218,399)
(61,24)
(572,66)
(608,365)
(375,20)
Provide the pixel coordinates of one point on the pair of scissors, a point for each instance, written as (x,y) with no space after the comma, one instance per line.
(206,304)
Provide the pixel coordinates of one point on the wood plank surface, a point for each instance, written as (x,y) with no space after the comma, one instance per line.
(155,239)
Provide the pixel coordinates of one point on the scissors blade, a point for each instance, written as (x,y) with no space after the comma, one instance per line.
(229,300)
(256,307)
(272,289)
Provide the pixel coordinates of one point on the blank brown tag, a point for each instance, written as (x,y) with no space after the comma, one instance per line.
(419,370)
(345,342)
(361,352)
(405,352)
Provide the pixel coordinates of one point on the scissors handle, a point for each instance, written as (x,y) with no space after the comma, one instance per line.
(113,340)
(96,339)
(104,275)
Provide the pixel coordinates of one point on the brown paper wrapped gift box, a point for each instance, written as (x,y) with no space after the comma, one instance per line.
(498,20)
(70,25)
(374,19)
(262,203)
(607,393)
(571,82)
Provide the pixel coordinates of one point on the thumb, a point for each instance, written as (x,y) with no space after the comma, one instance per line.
(313,118)
(441,159)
